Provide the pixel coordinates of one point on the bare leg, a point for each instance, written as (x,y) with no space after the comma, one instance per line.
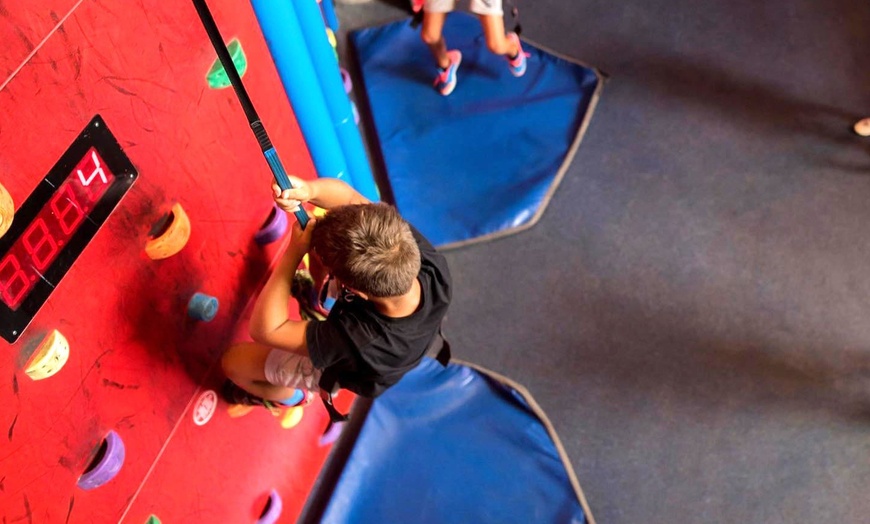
(433,24)
(245,363)
(493,30)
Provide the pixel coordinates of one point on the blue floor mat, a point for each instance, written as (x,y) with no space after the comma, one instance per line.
(456,444)
(485,160)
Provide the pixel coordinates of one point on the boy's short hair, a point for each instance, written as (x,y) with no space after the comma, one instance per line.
(368,247)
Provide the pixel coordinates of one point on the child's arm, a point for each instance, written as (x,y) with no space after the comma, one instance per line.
(322,192)
(270,321)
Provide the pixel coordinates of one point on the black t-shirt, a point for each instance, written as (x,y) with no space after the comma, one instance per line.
(368,352)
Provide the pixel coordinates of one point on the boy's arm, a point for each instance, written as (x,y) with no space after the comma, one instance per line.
(270,321)
(322,192)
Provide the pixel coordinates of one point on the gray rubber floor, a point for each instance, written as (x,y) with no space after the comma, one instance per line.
(693,310)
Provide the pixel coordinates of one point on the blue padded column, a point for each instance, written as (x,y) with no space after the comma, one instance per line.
(289,52)
(337,102)
(329,15)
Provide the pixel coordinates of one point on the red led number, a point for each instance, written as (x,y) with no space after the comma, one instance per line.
(42,248)
(63,203)
(13,280)
(98,170)
(52,229)
(86,181)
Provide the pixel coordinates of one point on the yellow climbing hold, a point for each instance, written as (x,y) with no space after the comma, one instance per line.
(330,35)
(49,357)
(292,417)
(7,210)
(238,410)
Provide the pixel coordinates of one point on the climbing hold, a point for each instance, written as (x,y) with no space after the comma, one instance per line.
(239,410)
(106,463)
(273,228)
(202,307)
(204,407)
(169,235)
(7,210)
(292,417)
(272,510)
(333,431)
(217,76)
(346,80)
(152,520)
(862,127)
(330,35)
(49,357)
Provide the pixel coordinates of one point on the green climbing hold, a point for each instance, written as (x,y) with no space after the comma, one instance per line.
(217,77)
(152,520)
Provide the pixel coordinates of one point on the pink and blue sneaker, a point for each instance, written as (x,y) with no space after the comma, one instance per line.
(517,64)
(445,82)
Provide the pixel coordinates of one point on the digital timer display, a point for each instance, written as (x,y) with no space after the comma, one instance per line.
(57,221)
(34,251)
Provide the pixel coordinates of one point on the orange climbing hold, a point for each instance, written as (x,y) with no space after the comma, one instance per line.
(170,235)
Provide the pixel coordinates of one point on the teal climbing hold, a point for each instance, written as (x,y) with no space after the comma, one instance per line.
(202,307)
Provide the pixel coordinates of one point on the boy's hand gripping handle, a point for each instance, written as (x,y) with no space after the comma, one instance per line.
(277,167)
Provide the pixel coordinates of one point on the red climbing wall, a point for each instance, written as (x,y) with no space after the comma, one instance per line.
(136,360)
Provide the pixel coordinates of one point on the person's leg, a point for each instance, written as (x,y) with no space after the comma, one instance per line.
(433,24)
(507,45)
(434,14)
(255,368)
(496,39)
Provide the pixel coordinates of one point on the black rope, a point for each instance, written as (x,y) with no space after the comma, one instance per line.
(260,134)
(226,60)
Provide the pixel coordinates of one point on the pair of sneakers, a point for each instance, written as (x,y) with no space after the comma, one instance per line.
(445,82)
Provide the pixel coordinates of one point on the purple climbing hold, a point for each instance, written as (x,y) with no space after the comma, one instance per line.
(274,227)
(346,80)
(272,510)
(331,434)
(106,463)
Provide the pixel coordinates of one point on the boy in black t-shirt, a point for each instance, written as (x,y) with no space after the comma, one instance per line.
(395,292)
